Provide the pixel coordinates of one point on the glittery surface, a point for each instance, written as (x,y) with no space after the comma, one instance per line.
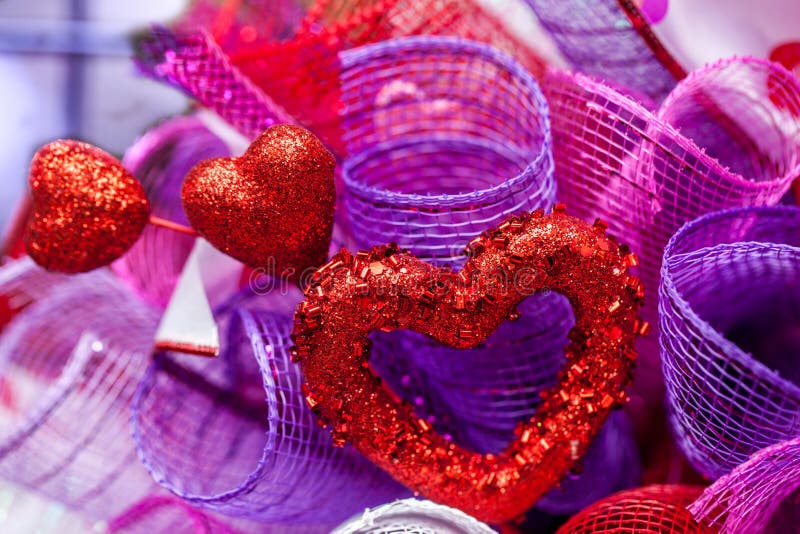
(87,209)
(388,289)
(270,208)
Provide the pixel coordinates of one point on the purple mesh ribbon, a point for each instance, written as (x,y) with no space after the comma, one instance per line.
(235,435)
(411,516)
(749,498)
(69,365)
(195,64)
(446,138)
(725,137)
(597,38)
(160,160)
(729,304)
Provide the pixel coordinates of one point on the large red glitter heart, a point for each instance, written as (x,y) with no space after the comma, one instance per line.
(273,207)
(388,289)
(87,209)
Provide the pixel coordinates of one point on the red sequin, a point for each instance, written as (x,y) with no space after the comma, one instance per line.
(389,289)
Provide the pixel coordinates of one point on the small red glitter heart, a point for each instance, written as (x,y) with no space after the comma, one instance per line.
(388,289)
(87,209)
(272,207)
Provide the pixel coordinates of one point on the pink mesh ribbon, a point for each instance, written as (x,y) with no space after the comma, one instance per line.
(730,315)
(723,138)
(69,365)
(167,514)
(234,435)
(648,510)
(301,74)
(160,159)
(760,495)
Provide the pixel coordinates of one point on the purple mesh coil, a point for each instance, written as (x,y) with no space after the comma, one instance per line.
(195,64)
(410,516)
(446,138)
(160,159)
(597,38)
(725,137)
(235,435)
(69,365)
(729,305)
(760,495)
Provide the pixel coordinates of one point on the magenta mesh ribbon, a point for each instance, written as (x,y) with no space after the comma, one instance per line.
(410,516)
(69,365)
(195,64)
(730,318)
(160,159)
(235,435)
(760,495)
(446,138)
(598,38)
(725,137)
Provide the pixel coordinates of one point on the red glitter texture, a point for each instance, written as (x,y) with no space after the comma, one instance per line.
(273,207)
(388,289)
(87,209)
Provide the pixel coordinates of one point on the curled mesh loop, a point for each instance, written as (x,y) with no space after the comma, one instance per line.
(411,516)
(159,160)
(166,514)
(235,435)
(447,138)
(749,498)
(597,38)
(616,160)
(272,79)
(729,306)
(69,365)
(658,509)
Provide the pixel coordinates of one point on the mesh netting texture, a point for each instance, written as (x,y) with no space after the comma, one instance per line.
(268,78)
(598,38)
(159,160)
(447,138)
(730,309)
(69,365)
(411,516)
(166,514)
(649,173)
(760,495)
(657,509)
(235,435)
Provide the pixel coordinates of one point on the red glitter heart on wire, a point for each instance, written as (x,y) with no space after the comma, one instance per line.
(389,289)
(87,209)
(272,207)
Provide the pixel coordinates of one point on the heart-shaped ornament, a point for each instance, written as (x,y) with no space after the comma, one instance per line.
(272,208)
(87,209)
(388,289)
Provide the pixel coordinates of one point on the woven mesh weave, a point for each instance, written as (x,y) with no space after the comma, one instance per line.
(647,510)
(300,75)
(597,38)
(411,516)
(747,498)
(234,434)
(166,514)
(635,169)
(447,138)
(159,160)
(69,364)
(730,318)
